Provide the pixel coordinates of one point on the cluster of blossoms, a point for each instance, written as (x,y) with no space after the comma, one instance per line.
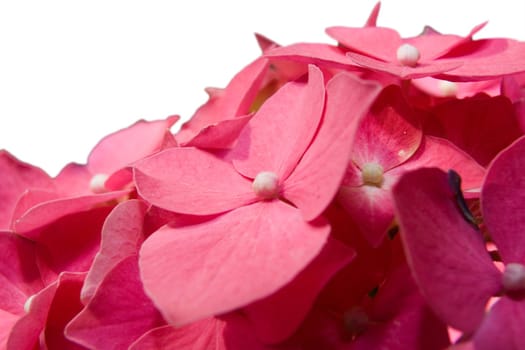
(363,195)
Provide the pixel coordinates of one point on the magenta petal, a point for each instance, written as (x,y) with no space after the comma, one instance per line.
(223,134)
(191,181)
(122,235)
(7,321)
(496,125)
(19,276)
(276,317)
(423,69)
(503,327)
(123,147)
(378,42)
(279,133)
(52,210)
(118,313)
(389,134)
(50,310)
(314,183)
(447,256)
(503,200)
(74,179)
(196,271)
(15,178)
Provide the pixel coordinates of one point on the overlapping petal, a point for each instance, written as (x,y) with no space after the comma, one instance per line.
(503,202)
(191,181)
(192,272)
(446,255)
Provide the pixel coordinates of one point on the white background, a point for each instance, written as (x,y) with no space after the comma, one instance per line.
(73,71)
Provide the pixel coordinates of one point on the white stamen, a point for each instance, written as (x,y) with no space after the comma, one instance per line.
(27,304)
(372,174)
(96,185)
(408,55)
(266,185)
(514,277)
(448,88)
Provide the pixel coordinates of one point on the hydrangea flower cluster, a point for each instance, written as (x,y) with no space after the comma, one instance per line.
(368,194)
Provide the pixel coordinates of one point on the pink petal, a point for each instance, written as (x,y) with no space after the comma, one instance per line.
(503,327)
(423,69)
(315,181)
(447,256)
(371,208)
(118,313)
(372,18)
(487,59)
(191,181)
(235,100)
(50,310)
(389,134)
(69,244)
(231,331)
(440,153)
(74,179)
(481,125)
(122,235)
(378,42)
(222,134)
(128,145)
(279,133)
(16,177)
(19,276)
(49,211)
(401,319)
(276,317)
(7,321)
(502,202)
(192,272)
(318,54)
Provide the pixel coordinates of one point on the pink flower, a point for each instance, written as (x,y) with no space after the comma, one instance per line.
(448,256)
(279,155)
(388,143)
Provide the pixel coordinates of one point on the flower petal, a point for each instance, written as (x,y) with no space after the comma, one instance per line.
(423,69)
(318,54)
(447,256)
(123,147)
(315,181)
(196,271)
(278,316)
(118,313)
(191,181)
(222,134)
(389,134)
(122,235)
(503,327)
(503,200)
(16,177)
(279,133)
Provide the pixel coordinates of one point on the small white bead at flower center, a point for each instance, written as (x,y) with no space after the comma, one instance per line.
(266,185)
(514,278)
(372,174)
(27,304)
(448,88)
(408,55)
(96,185)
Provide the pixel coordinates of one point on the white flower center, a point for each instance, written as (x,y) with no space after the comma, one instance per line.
(266,185)
(514,278)
(448,88)
(408,55)
(96,185)
(27,304)
(372,174)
